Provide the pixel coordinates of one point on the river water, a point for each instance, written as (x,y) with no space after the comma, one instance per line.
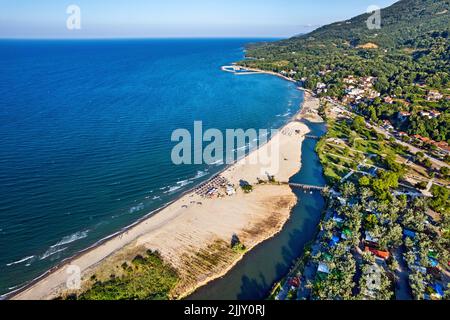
(253,277)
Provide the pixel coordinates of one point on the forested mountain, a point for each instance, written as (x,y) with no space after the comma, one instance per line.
(409,55)
(399,23)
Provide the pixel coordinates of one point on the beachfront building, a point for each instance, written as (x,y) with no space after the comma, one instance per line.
(230,190)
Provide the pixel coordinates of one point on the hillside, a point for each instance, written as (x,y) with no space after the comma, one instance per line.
(407,58)
(385,96)
(401,22)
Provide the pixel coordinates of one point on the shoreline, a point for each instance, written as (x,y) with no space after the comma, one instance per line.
(253,71)
(18,293)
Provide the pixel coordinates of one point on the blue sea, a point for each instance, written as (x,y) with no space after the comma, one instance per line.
(85,135)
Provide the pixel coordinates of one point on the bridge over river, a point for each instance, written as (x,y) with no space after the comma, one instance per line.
(305,186)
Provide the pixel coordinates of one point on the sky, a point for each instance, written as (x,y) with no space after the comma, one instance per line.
(173,18)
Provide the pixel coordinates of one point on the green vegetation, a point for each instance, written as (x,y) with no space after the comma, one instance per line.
(440,202)
(367,213)
(247,188)
(239,248)
(348,143)
(145,278)
(385,221)
(376,220)
(407,57)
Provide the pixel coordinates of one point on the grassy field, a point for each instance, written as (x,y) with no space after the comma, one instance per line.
(343,148)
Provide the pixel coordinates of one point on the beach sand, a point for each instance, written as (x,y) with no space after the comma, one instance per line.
(193,226)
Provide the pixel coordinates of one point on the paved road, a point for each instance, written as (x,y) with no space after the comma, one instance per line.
(402,288)
(437,163)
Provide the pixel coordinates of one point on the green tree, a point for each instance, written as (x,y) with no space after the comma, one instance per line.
(417,283)
(359,124)
(440,201)
(364,181)
(348,190)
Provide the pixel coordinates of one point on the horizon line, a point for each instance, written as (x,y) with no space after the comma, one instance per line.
(146,38)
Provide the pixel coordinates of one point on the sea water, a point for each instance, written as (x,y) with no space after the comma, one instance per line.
(85,130)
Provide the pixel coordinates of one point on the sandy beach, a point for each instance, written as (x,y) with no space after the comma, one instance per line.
(195,225)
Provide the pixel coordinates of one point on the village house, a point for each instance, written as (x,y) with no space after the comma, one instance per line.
(356,92)
(347,99)
(350,80)
(422,139)
(402,134)
(367,82)
(425,114)
(403,116)
(434,95)
(430,114)
(378,253)
(388,100)
(387,125)
(372,94)
(321,85)
(443,146)
(435,114)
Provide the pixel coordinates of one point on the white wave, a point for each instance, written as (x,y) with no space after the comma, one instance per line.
(173,189)
(218,162)
(200,174)
(134,209)
(19,261)
(180,184)
(12,288)
(72,238)
(51,251)
(156,198)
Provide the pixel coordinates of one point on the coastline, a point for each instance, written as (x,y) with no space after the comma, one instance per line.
(49,284)
(256,71)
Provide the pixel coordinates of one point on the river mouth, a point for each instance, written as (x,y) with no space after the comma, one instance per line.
(252,278)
